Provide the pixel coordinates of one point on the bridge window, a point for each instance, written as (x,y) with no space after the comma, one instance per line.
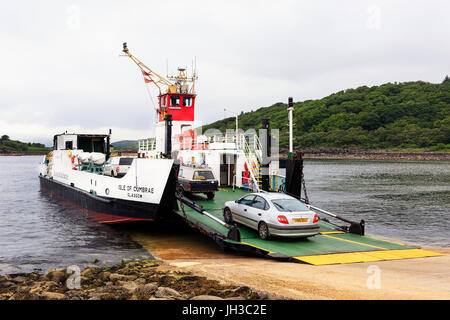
(187,101)
(174,101)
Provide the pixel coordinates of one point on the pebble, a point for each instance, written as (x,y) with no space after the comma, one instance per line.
(164,292)
(53,295)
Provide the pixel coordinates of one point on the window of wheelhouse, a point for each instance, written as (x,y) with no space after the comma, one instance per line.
(175,101)
(187,101)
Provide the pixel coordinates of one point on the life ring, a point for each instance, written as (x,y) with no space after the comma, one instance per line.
(73,159)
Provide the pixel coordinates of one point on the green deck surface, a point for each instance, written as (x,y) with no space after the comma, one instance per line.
(316,245)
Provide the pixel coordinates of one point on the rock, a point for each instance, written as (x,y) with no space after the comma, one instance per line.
(151,286)
(24,296)
(190,278)
(20,279)
(53,295)
(6,284)
(96,295)
(263,295)
(164,292)
(86,272)
(206,297)
(105,275)
(41,286)
(57,276)
(166,280)
(140,281)
(37,289)
(129,285)
(123,277)
(132,264)
(242,290)
(145,291)
(50,285)
(23,289)
(110,288)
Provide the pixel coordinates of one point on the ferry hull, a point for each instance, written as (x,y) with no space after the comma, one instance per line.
(112,210)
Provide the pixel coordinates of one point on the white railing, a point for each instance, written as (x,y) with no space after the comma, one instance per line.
(146,145)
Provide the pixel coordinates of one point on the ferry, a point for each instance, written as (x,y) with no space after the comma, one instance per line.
(74,170)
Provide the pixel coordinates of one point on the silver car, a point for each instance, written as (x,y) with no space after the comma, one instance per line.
(273,214)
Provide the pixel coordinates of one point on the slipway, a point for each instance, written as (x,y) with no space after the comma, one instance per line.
(333,245)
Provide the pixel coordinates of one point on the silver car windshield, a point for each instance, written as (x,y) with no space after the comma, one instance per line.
(289,205)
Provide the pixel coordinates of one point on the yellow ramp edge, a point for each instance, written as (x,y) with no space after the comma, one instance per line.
(366,256)
(251,245)
(331,232)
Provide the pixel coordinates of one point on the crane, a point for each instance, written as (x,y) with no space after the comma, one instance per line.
(180,81)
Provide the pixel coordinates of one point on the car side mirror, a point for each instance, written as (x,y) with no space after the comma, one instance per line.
(237,201)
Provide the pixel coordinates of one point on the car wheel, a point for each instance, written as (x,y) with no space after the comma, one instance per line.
(210,195)
(228,217)
(263,230)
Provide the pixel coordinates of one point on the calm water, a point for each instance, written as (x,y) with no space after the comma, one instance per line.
(38,232)
(408,201)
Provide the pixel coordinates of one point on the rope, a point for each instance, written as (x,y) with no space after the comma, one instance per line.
(150,96)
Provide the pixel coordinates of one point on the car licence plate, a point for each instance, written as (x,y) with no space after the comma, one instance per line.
(300,220)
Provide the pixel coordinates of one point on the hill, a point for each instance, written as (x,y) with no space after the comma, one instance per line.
(124,144)
(8,146)
(392,115)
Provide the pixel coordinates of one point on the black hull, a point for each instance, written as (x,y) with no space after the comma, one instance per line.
(107,210)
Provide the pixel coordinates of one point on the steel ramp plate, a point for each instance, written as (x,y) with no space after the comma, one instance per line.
(331,246)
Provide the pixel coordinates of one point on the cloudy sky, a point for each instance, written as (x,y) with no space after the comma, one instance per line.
(61,70)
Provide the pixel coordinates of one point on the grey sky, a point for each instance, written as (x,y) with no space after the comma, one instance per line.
(60,65)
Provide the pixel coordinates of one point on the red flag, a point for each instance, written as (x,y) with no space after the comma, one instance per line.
(147,80)
(145,73)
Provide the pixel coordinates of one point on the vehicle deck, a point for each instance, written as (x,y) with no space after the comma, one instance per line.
(330,246)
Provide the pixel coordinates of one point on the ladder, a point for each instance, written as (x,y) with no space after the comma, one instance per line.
(252,150)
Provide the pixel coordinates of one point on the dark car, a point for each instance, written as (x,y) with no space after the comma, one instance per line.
(198,180)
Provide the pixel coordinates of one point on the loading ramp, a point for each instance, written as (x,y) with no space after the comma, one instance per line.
(331,246)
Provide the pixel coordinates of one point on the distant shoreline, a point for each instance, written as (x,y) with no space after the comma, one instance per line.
(16,154)
(376,156)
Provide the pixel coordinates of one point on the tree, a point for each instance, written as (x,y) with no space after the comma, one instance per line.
(408,114)
(5,137)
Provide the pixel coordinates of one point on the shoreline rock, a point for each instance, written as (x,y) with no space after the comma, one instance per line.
(136,280)
(369,154)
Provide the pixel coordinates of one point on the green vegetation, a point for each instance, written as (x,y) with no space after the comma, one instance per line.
(125,144)
(389,116)
(14,146)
